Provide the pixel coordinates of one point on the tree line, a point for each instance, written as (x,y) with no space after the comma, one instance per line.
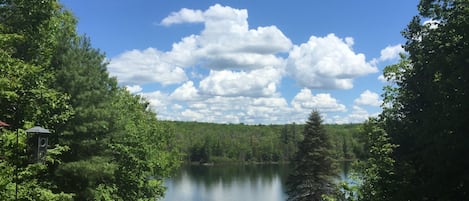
(225,143)
(105,143)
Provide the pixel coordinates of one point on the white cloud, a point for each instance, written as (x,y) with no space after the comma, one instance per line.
(306,101)
(220,109)
(273,102)
(139,67)
(184,53)
(274,109)
(251,110)
(327,62)
(186,92)
(190,115)
(220,19)
(245,67)
(358,115)
(158,101)
(382,78)
(223,109)
(368,98)
(391,52)
(256,83)
(183,16)
(349,41)
(177,107)
(133,88)
(227,42)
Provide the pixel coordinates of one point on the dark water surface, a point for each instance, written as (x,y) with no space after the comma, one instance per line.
(229,183)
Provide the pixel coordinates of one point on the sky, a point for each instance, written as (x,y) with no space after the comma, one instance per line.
(250,61)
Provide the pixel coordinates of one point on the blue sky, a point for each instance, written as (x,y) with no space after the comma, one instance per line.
(253,62)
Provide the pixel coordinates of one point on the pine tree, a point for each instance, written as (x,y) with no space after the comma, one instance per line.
(314,165)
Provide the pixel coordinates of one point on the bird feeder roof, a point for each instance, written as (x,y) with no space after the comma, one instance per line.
(38,129)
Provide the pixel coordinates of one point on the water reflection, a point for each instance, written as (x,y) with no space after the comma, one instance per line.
(230,183)
(233,183)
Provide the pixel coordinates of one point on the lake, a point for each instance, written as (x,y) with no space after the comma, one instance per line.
(230,183)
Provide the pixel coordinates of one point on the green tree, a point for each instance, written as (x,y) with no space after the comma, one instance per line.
(36,23)
(118,150)
(377,172)
(28,98)
(81,72)
(143,150)
(115,149)
(315,168)
(427,107)
(26,38)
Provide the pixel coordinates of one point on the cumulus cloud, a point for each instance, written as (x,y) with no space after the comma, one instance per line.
(186,92)
(158,100)
(183,16)
(190,115)
(177,107)
(272,109)
(368,98)
(253,110)
(235,72)
(257,83)
(382,78)
(327,62)
(323,102)
(221,109)
(357,115)
(391,52)
(139,67)
(227,42)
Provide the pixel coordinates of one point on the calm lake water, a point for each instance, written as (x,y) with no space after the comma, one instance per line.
(230,183)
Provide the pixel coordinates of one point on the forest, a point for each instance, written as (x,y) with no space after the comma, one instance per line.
(227,143)
(106,143)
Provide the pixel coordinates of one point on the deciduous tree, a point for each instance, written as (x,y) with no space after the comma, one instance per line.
(426,108)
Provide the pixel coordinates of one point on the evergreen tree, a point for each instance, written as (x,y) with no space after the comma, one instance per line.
(314,168)
(81,73)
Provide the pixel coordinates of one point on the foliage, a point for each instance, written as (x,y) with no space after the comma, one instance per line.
(314,167)
(34,25)
(377,172)
(116,142)
(16,172)
(27,98)
(425,112)
(225,143)
(141,144)
(106,144)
